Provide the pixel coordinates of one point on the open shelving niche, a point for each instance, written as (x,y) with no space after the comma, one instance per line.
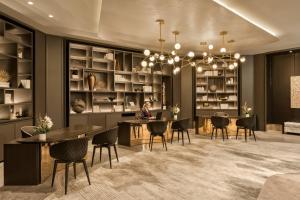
(16,54)
(122,84)
(224,98)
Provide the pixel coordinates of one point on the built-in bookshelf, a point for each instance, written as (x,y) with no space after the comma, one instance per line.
(217,90)
(121,83)
(16,72)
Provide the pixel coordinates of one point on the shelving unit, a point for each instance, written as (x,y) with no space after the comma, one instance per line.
(122,84)
(217,90)
(16,54)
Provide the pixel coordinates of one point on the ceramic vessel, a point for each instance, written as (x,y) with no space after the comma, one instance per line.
(42,136)
(91,81)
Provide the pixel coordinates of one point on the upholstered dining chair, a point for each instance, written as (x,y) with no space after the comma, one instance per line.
(180,126)
(246,123)
(106,139)
(219,123)
(157,129)
(68,152)
(28,131)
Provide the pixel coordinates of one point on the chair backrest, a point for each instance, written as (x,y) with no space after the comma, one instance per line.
(219,122)
(247,122)
(70,150)
(158,115)
(157,127)
(221,114)
(184,123)
(107,137)
(28,131)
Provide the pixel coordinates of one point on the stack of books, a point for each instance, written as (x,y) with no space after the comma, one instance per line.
(4,84)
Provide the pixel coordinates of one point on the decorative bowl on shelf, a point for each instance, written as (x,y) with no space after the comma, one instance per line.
(111,98)
(78,105)
(213,88)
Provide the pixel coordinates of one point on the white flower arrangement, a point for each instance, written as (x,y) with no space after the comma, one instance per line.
(246,109)
(44,124)
(175,109)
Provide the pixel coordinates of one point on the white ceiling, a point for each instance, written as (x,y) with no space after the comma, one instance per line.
(132,23)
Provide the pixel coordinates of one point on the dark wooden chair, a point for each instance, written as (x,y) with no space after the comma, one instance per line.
(68,152)
(28,131)
(106,139)
(246,123)
(157,128)
(219,123)
(180,126)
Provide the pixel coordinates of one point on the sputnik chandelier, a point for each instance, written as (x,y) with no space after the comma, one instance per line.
(165,58)
(225,58)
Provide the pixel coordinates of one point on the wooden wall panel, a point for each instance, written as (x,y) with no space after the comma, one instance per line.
(260,90)
(279,84)
(54,79)
(40,73)
(186,94)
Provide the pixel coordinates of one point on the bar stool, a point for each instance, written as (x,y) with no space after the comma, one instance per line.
(157,128)
(68,152)
(106,139)
(219,123)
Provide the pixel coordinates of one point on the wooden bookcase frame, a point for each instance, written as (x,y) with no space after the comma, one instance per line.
(119,76)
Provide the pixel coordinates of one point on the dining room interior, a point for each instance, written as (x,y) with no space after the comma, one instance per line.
(172,99)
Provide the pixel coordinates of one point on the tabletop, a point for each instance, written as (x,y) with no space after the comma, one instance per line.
(63,134)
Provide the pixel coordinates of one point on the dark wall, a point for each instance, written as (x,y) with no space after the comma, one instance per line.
(280,68)
(247,82)
(40,73)
(260,90)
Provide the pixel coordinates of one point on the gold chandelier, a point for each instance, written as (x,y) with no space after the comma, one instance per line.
(167,58)
(225,58)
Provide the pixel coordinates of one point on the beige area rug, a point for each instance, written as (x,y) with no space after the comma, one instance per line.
(205,169)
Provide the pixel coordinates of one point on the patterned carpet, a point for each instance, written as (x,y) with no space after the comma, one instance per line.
(205,169)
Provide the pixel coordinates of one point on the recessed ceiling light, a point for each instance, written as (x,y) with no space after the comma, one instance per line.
(50,15)
(30,3)
(291,51)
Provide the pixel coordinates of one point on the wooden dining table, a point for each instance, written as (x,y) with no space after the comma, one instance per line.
(125,129)
(22,157)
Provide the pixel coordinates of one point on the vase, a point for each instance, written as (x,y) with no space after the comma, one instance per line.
(91,81)
(78,105)
(42,136)
(247,115)
(175,117)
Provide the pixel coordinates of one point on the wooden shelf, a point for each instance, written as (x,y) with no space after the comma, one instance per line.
(117,76)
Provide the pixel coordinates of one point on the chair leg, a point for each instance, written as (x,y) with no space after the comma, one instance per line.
(212,133)
(86,171)
(54,172)
(226,131)
(245,134)
(223,133)
(187,132)
(182,138)
(74,168)
(165,143)
(100,153)
(151,142)
(94,150)
(237,133)
(162,141)
(172,136)
(138,132)
(116,152)
(109,155)
(66,177)
(216,133)
(254,135)
(178,135)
